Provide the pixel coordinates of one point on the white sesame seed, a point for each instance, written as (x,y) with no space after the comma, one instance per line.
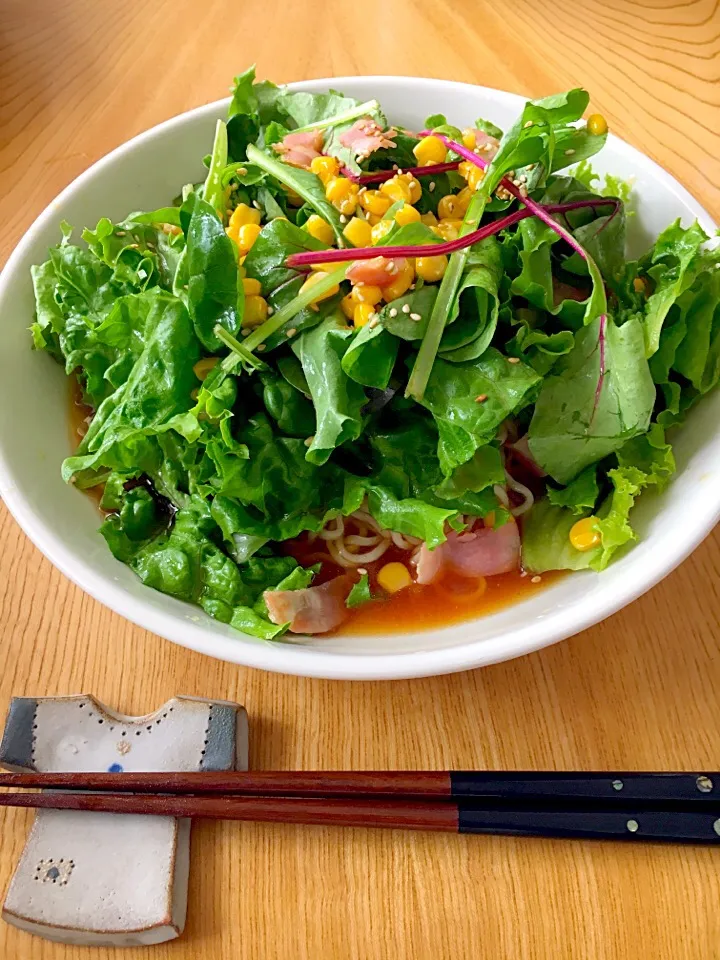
(392,312)
(343,218)
(260,347)
(362,571)
(390,267)
(256,204)
(120,233)
(399,172)
(522,178)
(309,441)
(431,186)
(374,321)
(271,311)
(531,166)
(481,398)
(406,308)
(523,573)
(245,331)
(242,171)
(569,153)
(513,359)
(535,579)
(528,123)
(411,287)
(487,147)
(291,332)
(415,316)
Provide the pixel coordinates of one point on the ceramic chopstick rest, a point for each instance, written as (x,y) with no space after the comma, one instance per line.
(99,879)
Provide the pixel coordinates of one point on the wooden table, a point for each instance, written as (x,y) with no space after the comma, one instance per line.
(77,78)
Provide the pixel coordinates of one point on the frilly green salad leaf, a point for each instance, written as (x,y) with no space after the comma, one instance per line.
(224,426)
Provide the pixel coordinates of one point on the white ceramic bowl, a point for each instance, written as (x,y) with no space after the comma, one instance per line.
(34,437)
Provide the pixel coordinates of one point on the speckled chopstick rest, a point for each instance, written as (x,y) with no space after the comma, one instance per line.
(104,879)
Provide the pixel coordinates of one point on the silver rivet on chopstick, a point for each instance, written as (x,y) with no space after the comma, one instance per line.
(617,784)
(704,784)
(716,827)
(633,826)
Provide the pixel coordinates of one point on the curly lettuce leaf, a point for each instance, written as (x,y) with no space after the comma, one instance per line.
(360,592)
(464,422)
(644,462)
(337,398)
(598,396)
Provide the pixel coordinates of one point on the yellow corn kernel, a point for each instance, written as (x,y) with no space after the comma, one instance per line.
(448,229)
(462,201)
(362,314)
(468,138)
(639,285)
(358,232)
(464,168)
(414,186)
(430,150)
(431,269)
(407,214)
(348,206)
(324,167)
(396,189)
(315,278)
(339,188)
(447,207)
(429,219)
(347,305)
(247,235)
(241,215)
(380,229)
(375,202)
(394,577)
(475,178)
(366,293)
(372,219)
(584,535)
(251,287)
(400,284)
(597,125)
(319,228)
(256,311)
(203,367)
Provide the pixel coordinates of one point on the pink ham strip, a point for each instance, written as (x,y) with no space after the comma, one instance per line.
(482,553)
(365,136)
(312,610)
(378,272)
(300,149)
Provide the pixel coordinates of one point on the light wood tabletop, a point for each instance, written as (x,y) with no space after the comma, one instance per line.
(640,691)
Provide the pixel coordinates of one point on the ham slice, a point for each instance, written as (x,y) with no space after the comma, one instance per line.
(365,136)
(312,610)
(378,272)
(482,553)
(300,149)
(487,145)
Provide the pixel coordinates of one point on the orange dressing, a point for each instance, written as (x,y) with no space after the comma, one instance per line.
(438,605)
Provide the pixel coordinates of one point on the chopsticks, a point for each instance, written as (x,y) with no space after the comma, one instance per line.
(504,785)
(680,808)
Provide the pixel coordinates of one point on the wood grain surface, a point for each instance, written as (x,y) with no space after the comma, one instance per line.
(77,78)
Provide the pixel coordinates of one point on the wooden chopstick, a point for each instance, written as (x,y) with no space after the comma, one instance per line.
(609,788)
(465,816)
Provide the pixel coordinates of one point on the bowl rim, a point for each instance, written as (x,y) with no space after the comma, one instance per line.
(296,659)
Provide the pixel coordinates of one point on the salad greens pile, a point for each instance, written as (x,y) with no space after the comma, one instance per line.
(541,323)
